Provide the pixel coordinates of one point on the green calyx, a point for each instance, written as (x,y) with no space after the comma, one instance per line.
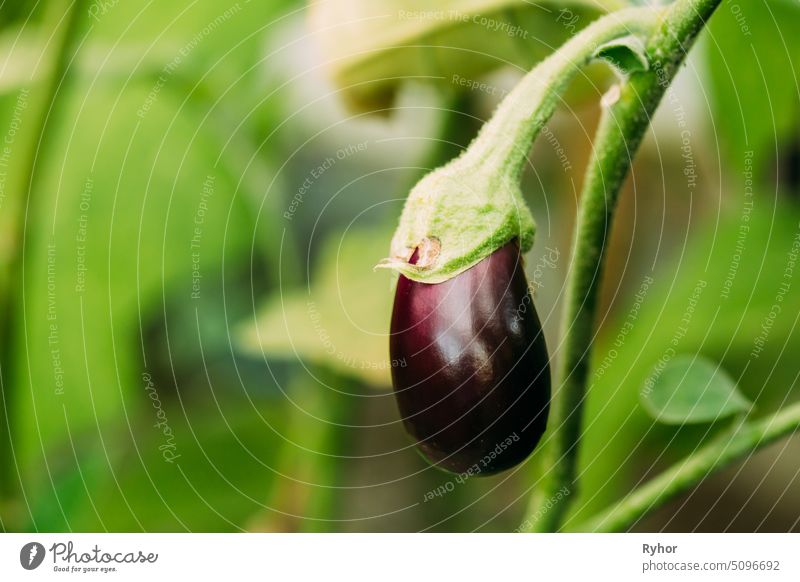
(456,216)
(461,213)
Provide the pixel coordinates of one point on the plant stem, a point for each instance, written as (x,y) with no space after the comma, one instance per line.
(301,495)
(461,213)
(621,128)
(685,474)
(505,140)
(65,17)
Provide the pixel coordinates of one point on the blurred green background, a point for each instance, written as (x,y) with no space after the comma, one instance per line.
(193,196)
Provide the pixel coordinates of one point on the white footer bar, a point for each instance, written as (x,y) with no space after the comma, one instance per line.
(401,557)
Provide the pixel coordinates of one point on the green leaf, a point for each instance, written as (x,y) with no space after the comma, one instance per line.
(372,46)
(627,54)
(691,389)
(754,51)
(124,482)
(109,232)
(129,207)
(342,322)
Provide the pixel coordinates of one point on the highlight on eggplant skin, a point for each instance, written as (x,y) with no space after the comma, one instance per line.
(475,388)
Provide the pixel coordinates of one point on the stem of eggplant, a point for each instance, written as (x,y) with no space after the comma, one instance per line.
(621,129)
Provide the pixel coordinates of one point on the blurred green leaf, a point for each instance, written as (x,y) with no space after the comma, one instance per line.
(691,389)
(110,236)
(753,57)
(372,46)
(107,238)
(225,461)
(342,321)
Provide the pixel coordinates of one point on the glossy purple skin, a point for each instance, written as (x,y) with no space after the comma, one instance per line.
(473,386)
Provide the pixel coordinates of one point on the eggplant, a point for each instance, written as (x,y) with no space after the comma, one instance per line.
(474,387)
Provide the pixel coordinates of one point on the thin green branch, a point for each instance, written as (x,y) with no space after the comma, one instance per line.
(505,140)
(689,472)
(622,126)
(301,495)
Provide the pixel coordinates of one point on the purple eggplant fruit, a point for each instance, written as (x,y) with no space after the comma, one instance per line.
(474,387)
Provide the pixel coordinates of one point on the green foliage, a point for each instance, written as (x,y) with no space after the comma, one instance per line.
(123,483)
(753,53)
(340,321)
(99,271)
(621,441)
(691,389)
(133,175)
(109,270)
(370,46)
